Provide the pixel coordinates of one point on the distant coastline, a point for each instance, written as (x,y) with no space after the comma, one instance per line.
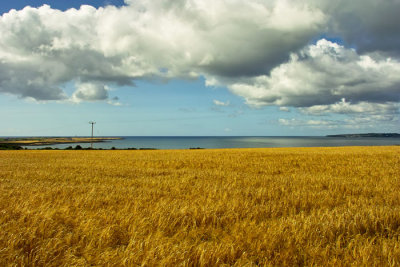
(43,141)
(380,135)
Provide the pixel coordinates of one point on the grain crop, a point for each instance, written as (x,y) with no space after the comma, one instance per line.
(232,207)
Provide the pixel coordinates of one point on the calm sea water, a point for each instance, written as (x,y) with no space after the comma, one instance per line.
(168,142)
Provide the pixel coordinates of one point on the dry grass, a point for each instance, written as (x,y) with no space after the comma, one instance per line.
(243,207)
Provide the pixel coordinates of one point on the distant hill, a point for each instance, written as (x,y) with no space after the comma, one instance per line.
(391,135)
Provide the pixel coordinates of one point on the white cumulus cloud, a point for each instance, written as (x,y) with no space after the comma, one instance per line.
(221,103)
(90,92)
(43,48)
(323,74)
(327,78)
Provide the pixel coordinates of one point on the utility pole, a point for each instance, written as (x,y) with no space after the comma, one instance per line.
(92,123)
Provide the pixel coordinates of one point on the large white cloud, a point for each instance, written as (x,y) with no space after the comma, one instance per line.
(323,74)
(148,40)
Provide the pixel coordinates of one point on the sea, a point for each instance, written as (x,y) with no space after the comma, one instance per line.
(188,142)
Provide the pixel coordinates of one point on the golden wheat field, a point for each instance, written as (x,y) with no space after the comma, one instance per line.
(240,207)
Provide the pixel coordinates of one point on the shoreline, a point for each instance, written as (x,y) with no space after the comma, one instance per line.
(43,141)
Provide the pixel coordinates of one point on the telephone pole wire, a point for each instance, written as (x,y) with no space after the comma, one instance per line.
(91,140)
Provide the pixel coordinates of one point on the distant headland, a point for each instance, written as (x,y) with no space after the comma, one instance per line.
(40,141)
(391,135)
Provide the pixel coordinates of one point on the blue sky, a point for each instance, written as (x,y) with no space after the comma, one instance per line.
(159,69)
(149,109)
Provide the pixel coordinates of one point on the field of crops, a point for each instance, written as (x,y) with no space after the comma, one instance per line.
(289,206)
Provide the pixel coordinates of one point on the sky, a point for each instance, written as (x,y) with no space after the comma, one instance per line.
(199,67)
